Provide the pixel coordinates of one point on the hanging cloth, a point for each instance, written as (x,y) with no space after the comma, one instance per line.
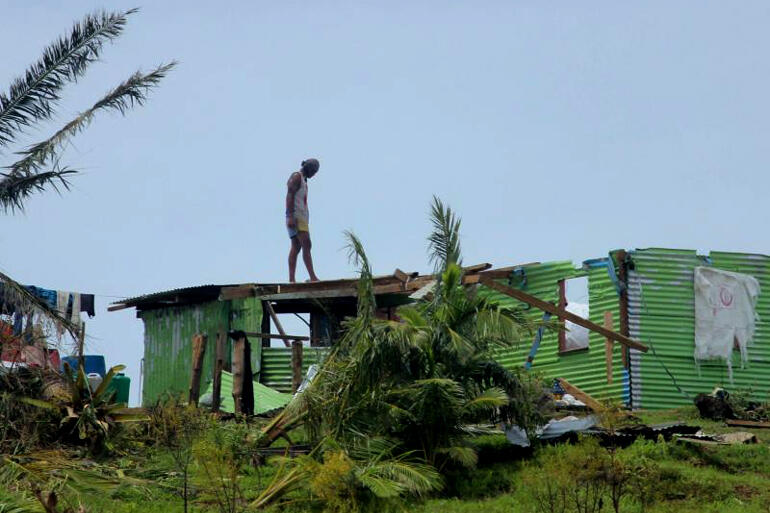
(87,304)
(76,308)
(62,298)
(725,314)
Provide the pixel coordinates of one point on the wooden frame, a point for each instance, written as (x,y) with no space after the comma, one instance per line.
(562,314)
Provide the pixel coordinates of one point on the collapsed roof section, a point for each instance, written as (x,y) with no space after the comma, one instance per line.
(340,295)
(391,290)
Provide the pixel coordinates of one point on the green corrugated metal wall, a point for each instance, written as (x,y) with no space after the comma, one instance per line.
(585,369)
(246,315)
(603,297)
(168,336)
(662,315)
(276,365)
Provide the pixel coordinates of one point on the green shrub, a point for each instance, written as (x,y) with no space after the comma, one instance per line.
(486,481)
(496,448)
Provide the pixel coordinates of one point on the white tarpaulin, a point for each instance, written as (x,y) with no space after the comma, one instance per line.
(725,314)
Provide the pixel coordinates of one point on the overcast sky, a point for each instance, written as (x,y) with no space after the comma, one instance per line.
(556,133)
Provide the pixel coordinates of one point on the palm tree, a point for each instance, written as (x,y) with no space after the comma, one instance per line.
(428,380)
(33,99)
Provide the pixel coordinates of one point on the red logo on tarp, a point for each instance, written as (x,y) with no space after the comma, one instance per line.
(725,296)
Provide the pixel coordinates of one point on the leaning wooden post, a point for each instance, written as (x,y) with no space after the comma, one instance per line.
(219,363)
(286,340)
(608,345)
(198,351)
(296,365)
(239,349)
(623,303)
(247,394)
(81,347)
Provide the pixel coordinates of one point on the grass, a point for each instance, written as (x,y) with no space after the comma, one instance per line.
(683,477)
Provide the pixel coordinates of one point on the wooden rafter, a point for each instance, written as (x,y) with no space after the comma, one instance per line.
(561,313)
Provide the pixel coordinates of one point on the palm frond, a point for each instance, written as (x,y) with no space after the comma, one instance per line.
(23,300)
(464,455)
(444,240)
(15,188)
(32,97)
(11,502)
(129,93)
(357,255)
(486,402)
(502,327)
(386,475)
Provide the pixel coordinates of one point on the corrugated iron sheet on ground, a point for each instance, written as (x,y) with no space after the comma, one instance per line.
(265,399)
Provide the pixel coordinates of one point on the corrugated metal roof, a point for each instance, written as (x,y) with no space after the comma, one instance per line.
(196,294)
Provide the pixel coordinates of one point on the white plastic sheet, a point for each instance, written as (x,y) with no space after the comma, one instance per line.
(576,336)
(725,314)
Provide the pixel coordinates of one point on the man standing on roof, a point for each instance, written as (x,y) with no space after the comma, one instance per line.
(298,217)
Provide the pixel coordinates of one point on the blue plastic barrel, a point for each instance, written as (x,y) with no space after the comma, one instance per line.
(94,363)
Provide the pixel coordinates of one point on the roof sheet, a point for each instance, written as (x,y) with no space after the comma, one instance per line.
(197,294)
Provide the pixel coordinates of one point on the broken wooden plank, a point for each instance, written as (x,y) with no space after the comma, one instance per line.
(286,340)
(219,363)
(748,424)
(404,277)
(401,275)
(477,268)
(561,313)
(273,335)
(580,395)
(198,352)
(608,345)
(238,292)
(350,291)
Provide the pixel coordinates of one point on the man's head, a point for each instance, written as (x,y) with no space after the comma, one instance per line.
(310,167)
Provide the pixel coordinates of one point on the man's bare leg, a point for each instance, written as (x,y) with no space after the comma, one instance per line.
(304,240)
(293,252)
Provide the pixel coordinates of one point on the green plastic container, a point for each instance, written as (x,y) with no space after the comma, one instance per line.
(122,385)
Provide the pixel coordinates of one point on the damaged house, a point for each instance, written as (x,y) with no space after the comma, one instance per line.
(663,324)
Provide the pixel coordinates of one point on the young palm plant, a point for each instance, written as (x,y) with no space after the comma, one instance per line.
(426,382)
(88,416)
(32,100)
(353,478)
(428,379)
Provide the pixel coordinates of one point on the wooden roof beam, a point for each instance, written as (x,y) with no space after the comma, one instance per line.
(561,313)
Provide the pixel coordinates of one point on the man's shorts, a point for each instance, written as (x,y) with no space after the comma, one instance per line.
(301,226)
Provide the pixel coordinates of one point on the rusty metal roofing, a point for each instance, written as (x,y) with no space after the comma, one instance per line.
(184,295)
